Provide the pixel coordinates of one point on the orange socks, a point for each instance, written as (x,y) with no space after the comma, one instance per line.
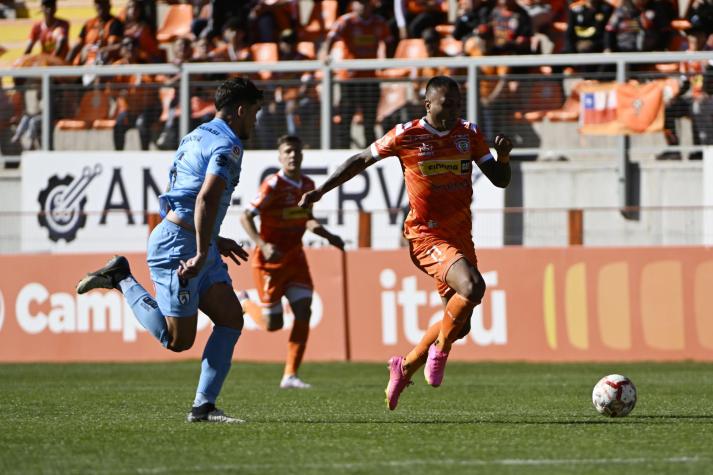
(417,357)
(457,312)
(296,346)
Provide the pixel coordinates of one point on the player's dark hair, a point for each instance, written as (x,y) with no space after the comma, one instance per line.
(288,139)
(236,91)
(437,82)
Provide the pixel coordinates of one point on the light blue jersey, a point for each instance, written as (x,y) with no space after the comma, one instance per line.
(212,148)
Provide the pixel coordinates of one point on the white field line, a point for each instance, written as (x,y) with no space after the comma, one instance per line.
(415,463)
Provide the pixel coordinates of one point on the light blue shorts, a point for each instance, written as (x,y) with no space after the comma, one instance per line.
(168,245)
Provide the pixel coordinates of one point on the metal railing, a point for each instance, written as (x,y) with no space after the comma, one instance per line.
(621,61)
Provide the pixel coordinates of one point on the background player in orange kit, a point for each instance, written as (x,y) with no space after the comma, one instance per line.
(279,263)
(437,154)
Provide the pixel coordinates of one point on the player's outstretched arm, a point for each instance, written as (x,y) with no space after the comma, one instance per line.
(316,227)
(346,171)
(498,171)
(207,203)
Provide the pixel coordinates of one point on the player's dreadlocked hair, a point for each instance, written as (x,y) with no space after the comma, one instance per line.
(437,82)
(236,91)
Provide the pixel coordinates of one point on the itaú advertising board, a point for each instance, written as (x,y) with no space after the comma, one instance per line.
(83,202)
(43,319)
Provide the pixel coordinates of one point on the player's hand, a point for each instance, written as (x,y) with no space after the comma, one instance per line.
(336,241)
(503,146)
(310,198)
(270,252)
(233,250)
(191,267)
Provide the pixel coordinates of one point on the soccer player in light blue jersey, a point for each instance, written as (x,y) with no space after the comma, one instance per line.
(184,249)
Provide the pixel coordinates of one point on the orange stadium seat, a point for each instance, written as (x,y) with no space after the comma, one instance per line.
(166,95)
(94,106)
(321,18)
(307,48)
(414,48)
(264,53)
(393,97)
(177,23)
(451,46)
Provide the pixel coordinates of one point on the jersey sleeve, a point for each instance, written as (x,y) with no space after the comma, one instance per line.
(479,150)
(387,146)
(222,159)
(264,195)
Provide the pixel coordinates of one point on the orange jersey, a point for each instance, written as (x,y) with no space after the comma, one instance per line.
(282,222)
(437,170)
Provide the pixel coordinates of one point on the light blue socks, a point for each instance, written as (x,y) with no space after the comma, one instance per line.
(217,358)
(146,309)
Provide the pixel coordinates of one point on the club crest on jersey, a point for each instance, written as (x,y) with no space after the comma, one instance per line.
(462,144)
(236,151)
(425,150)
(184,296)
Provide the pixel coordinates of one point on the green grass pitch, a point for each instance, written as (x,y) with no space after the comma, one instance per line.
(486,418)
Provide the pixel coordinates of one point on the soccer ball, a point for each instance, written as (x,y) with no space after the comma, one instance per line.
(614,396)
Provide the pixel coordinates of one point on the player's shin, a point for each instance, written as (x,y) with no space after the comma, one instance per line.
(145,309)
(217,359)
(417,357)
(458,311)
(296,346)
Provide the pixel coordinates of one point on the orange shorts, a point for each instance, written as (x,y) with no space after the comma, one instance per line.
(272,279)
(435,255)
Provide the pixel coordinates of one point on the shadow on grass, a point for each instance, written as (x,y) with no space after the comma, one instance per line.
(641,419)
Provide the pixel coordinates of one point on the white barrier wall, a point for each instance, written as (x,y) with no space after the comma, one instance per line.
(82,201)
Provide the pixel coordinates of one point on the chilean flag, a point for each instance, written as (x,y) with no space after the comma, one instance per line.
(598,107)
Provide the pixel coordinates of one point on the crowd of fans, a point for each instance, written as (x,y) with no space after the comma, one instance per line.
(227,30)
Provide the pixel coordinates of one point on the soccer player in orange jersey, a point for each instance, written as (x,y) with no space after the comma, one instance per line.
(437,154)
(279,263)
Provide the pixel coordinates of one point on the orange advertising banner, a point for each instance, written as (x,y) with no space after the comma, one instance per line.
(43,319)
(572,304)
(569,304)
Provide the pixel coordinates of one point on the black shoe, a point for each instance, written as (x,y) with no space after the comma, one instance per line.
(108,277)
(209,413)
(669,156)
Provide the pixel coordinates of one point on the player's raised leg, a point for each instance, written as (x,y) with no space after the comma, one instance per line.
(220,303)
(469,286)
(116,274)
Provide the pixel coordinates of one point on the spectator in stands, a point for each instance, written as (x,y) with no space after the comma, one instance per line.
(235,47)
(414,16)
(137,101)
(508,30)
(96,34)
(701,17)
(695,101)
(641,25)
(201,15)
(268,18)
(586,26)
(222,11)
(472,18)
(138,27)
(294,101)
(365,36)
(182,53)
(51,32)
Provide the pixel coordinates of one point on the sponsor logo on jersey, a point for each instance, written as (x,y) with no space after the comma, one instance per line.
(425,150)
(295,212)
(439,167)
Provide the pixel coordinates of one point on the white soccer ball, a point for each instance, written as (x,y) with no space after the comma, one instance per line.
(614,396)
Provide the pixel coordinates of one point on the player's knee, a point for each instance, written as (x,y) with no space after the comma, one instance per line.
(178,346)
(474,289)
